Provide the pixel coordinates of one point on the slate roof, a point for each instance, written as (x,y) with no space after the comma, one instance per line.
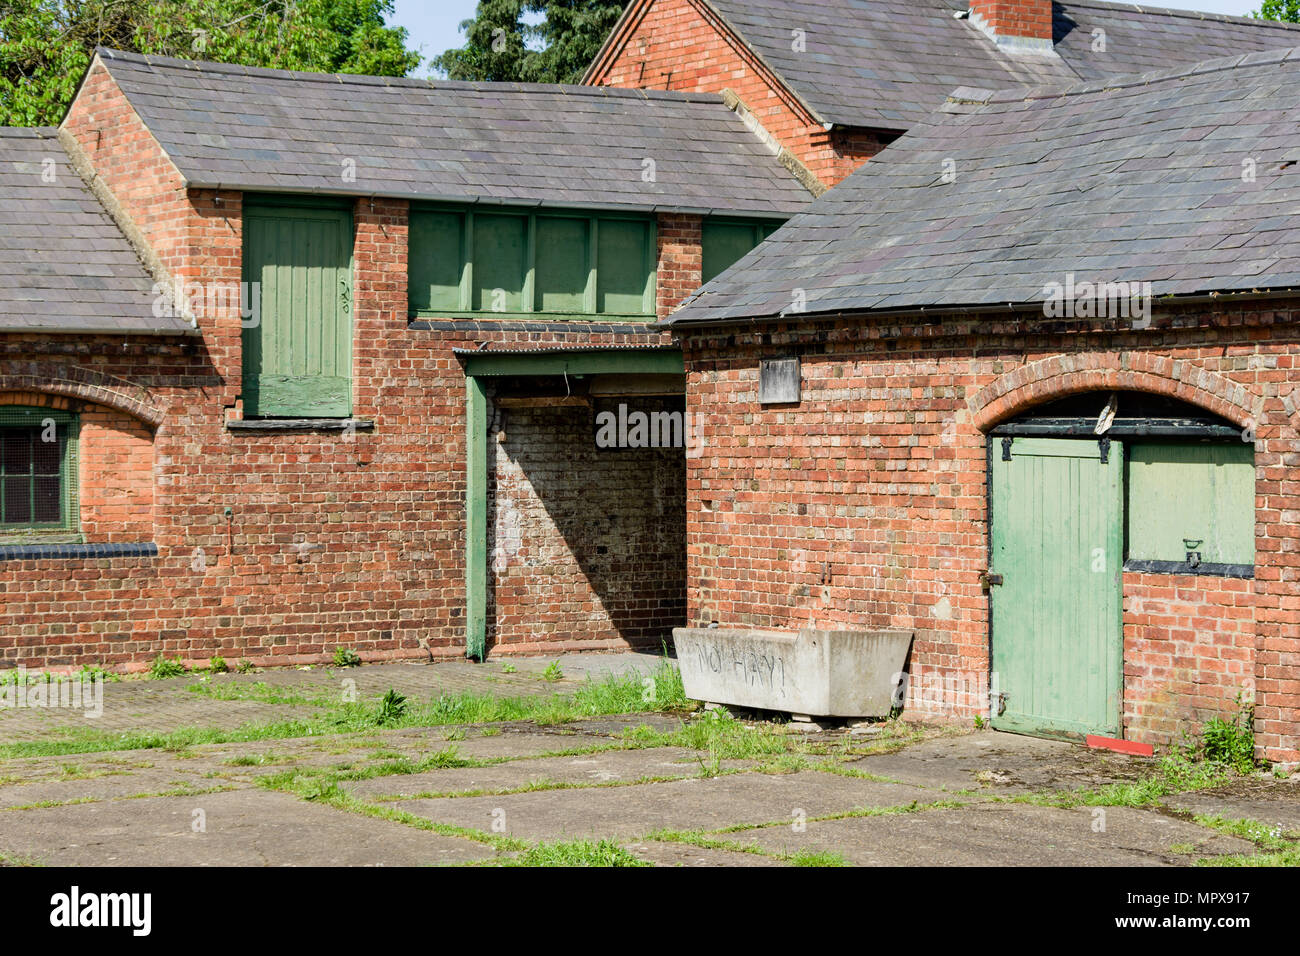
(64,265)
(274,130)
(1137,179)
(887,63)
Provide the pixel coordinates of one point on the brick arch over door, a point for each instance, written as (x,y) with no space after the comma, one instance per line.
(40,388)
(1064,375)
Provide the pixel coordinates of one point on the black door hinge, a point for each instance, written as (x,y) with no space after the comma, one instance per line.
(1104,443)
(1006,448)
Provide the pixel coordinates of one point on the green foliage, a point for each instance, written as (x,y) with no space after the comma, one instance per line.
(509,668)
(162,667)
(218,665)
(553,672)
(391,709)
(501,46)
(578,853)
(1231,741)
(245,666)
(46,45)
(346,657)
(1286,10)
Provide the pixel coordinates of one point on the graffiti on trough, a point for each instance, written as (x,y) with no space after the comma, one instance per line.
(753,665)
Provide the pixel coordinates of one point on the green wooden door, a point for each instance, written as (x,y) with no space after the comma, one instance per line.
(1056,526)
(298,351)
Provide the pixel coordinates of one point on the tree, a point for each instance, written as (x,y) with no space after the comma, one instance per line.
(494,44)
(565,40)
(46,45)
(1287,10)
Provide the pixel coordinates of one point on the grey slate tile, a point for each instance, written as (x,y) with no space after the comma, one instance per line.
(470,141)
(66,267)
(1172,211)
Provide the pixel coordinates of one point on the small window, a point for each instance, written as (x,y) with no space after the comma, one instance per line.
(727,242)
(1191,504)
(37,472)
(554,264)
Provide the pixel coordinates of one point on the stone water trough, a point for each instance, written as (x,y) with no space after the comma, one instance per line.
(809,673)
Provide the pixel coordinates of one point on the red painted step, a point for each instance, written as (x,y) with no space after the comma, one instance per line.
(1120,746)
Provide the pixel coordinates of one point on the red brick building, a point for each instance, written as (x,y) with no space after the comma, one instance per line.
(1048,414)
(293,362)
(835,81)
(236,411)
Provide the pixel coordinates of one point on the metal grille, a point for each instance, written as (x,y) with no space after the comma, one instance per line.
(37,458)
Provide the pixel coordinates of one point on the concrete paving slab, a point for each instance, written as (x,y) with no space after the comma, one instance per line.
(126,784)
(662,853)
(1275,803)
(1004,835)
(608,767)
(1008,763)
(243,828)
(161,706)
(639,809)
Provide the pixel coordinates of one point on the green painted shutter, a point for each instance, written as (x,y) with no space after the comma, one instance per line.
(437,261)
(1182,494)
(625,275)
(1057,636)
(298,351)
(500,262)
(563,264)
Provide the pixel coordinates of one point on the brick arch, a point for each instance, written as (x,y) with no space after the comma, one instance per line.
(87,386)
(1063,375)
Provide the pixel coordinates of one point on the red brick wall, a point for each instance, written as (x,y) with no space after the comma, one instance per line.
(1189,648)
(681,260)
(681,45)
(116,462)
(864,506)
(1016,18)
(587,545)
(115,453)
(332,540)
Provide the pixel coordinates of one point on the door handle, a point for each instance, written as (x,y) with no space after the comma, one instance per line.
(345,296)
(988,580)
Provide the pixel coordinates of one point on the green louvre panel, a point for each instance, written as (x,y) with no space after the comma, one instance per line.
(625,273)
(436,257)
(563,264)
(298,349)
(1057,629)
(500,262)
(1184,497)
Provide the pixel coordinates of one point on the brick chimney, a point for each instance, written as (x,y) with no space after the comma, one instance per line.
(1018,26)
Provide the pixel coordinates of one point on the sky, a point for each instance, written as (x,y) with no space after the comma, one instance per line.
(433,23)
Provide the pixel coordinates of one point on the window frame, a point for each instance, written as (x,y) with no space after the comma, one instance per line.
(68,528)
(1172,566)
(528,295)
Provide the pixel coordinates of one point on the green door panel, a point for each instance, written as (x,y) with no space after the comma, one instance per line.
(625,276)
(500,262)
(1057,618)
(1192,498)
(436,255)
(725,244)
(563,264)
(297,353)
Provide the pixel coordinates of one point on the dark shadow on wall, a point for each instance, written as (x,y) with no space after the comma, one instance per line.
(584,543)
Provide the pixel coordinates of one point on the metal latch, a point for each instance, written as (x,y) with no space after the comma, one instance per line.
(988,580)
